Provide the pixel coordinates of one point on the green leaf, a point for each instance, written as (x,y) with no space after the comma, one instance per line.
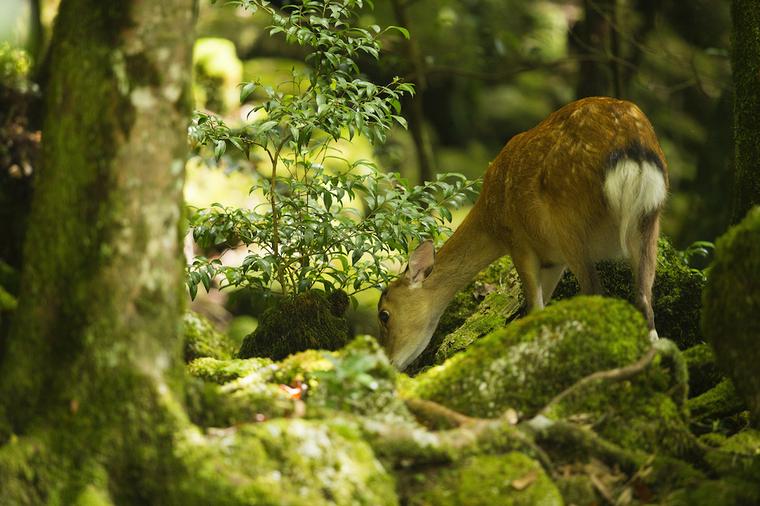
(220,147)
(246,91)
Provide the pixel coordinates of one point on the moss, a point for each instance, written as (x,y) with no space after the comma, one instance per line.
(203,340)
(489,316)
(25,475)
(703,371)
(737,456)
(578,490)
(305,321)
(239,327)
(511,479)
(499,277)
(718,402)
(251,399)
(361,381)
(723,492)
(7,301)
(525,364)
(223,371)
(283,462)
(676,293)
(732,303)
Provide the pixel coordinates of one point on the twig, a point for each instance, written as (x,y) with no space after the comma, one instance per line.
(618,374)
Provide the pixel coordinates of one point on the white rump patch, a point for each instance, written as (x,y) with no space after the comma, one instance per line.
(633,190)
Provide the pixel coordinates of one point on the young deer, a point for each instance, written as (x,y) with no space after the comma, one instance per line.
(586,184)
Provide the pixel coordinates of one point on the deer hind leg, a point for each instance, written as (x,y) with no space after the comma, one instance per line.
(550,276)
(528,267)
(643,248)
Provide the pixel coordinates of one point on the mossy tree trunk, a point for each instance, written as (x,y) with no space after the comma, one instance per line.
(745,61)
(595,41)
(92,363)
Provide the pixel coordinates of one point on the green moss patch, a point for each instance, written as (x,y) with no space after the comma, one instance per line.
(284,462)
(525,364)
(203,340)
(512,479)
(732,305)
(310,320)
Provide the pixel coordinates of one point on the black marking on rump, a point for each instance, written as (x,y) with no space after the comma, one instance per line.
(636,152)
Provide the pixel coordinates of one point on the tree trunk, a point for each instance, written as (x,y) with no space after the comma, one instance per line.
(745,61)
(416,116)
(593,41)
(92,361)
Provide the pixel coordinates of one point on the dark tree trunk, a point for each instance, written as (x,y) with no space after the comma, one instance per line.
(416,114)
(593,41)
(745,60)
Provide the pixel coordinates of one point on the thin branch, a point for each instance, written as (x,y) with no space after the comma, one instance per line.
(618,374)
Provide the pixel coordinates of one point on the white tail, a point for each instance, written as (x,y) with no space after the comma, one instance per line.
(633,190)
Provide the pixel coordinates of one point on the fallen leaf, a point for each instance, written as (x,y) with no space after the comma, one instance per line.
(526,481)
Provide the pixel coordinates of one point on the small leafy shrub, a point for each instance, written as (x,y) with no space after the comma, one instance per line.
(317,227)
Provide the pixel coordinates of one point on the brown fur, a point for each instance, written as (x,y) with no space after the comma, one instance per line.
(542,202)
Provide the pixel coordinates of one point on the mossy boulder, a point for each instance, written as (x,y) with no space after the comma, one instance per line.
(732,305)
(223,371)
(703,369)
(284,462)
(719,402)
(677,293)
(512,479)
(203,340)
(525,364)
(311,320)
(357,379)
(496,310)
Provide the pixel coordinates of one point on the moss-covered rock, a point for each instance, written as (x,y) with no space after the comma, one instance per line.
(203,340)
(357,379)
(703,370)
(283,462)
(531,360)
(718,402)
(492,314)
(223,371)
(677,293)
(732,305)
(724,492)
(311,320)
(511,479)
(737,455)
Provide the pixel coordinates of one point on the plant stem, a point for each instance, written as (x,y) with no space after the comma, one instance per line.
(275,221)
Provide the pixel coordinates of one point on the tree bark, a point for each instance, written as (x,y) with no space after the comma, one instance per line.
(93,354)
(416,116)
(745,61)
(593,41)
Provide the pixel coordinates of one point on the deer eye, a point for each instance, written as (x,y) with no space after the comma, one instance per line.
(384,316)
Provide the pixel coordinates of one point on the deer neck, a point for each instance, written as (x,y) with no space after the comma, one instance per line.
(468,251)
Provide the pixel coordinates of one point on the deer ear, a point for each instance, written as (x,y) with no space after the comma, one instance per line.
(421,263)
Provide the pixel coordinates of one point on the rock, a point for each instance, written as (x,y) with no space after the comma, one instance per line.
(719,402)
(309,320)
(512,479)
(203,340)
(677,293)
(525,364)
(703,371)
(732,305)
(287,462)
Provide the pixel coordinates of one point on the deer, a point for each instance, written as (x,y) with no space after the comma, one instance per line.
(588,183)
